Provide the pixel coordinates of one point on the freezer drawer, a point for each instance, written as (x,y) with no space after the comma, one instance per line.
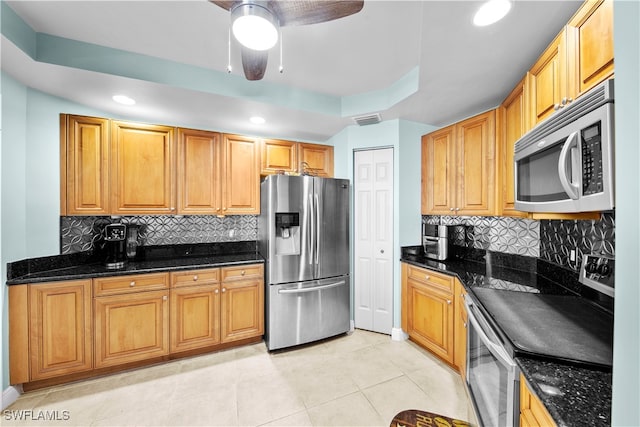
(303,312)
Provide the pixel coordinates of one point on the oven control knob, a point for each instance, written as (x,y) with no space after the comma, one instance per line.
(604,269)
(592,267)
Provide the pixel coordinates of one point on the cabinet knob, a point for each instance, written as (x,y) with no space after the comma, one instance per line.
(451,209)
(427,277)
(449,302)
(164,298)
(195,277)
(216,291)
(132,284)
(224,290)
(457,209)
(464,324)
(242,273)
(556,107)
(224,209)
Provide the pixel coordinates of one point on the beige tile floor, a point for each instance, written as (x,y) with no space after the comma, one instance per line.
(359,379)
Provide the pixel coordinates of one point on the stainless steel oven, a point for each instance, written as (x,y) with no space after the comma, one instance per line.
(492,375)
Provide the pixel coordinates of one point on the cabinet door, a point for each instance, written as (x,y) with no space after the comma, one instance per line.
(438,172)
(85,172)
(512,124)
(316,159)
(278,156)
(131,327)
(242,309)
(547,81)
(195,317)
(60,325)
(532,411)
(430,319)
(460,330)
(241,176)
(199,186)
(590,40)
(475,158)
(142,169)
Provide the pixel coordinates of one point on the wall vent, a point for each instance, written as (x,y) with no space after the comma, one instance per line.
(368,119)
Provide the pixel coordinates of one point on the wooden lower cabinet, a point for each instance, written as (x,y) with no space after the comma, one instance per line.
(460,330)
(532,411)
(131,327)
(60,328)
(434,315)
(242,305)
(195,309)
(429,310)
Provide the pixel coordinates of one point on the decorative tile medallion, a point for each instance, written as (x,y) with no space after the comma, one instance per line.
(79,234)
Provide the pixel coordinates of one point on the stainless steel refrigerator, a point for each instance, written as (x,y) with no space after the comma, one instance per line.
(303,234)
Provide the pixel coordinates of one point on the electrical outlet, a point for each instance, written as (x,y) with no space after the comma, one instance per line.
(572,255)
(232,232)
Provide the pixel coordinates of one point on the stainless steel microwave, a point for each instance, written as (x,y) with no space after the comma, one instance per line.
(565,163)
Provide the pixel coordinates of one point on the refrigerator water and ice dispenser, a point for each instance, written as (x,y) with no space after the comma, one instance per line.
(288,233)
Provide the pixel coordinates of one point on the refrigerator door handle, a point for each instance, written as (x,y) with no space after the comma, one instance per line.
(311,289)
(318,230)
(312,231)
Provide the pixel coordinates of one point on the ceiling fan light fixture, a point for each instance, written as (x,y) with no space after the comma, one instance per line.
(254,26)
(491,12)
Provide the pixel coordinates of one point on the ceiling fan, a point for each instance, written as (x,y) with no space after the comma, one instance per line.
(249,16)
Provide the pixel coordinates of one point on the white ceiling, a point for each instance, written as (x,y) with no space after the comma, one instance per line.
(463,69)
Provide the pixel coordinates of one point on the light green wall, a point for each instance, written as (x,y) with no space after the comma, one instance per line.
(626,344)
(404,138)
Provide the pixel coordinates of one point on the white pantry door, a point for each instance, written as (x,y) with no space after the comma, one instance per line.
(373,249)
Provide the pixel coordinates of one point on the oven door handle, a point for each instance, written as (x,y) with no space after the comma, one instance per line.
(494,348)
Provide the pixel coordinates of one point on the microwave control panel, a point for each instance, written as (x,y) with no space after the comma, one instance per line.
(592,182)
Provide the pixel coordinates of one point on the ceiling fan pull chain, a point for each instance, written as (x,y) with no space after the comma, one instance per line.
(229,69)
(281,69)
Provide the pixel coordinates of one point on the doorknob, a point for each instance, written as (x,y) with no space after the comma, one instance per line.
(381,251)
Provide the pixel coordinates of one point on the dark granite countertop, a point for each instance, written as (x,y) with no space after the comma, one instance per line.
(574,395)
(149,260)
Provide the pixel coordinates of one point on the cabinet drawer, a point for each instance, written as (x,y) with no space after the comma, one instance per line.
(127,284)
(430,277)
(242,272)
(195,277)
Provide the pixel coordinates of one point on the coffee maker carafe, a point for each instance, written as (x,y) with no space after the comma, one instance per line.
(115,245)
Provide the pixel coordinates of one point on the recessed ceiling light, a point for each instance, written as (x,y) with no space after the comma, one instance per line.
(124,99)
(490,12)
(256,120)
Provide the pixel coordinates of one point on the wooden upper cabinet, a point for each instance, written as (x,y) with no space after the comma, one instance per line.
(241,175)
(316,159)
(547,81)
(511,125)
(438,172)
(60,328)
(458,168)
(278,156)
(84,165)
(476,165)
(590,41)
(142,169)
(199,162)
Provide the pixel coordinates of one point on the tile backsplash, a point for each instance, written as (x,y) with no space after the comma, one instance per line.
(551,240)
(83,233)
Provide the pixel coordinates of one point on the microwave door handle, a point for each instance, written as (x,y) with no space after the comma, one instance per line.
(568,186)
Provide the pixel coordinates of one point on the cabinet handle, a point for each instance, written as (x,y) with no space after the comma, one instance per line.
(224,290)
(164,298)
(195,277)
(132,284)
(464,324)
(216,291)
(449,302)
(242,273)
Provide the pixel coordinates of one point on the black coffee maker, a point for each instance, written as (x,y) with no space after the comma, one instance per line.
(115,236)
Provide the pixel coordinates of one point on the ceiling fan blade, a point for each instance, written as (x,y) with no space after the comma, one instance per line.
(224,4)
(254,63)
(304,12)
